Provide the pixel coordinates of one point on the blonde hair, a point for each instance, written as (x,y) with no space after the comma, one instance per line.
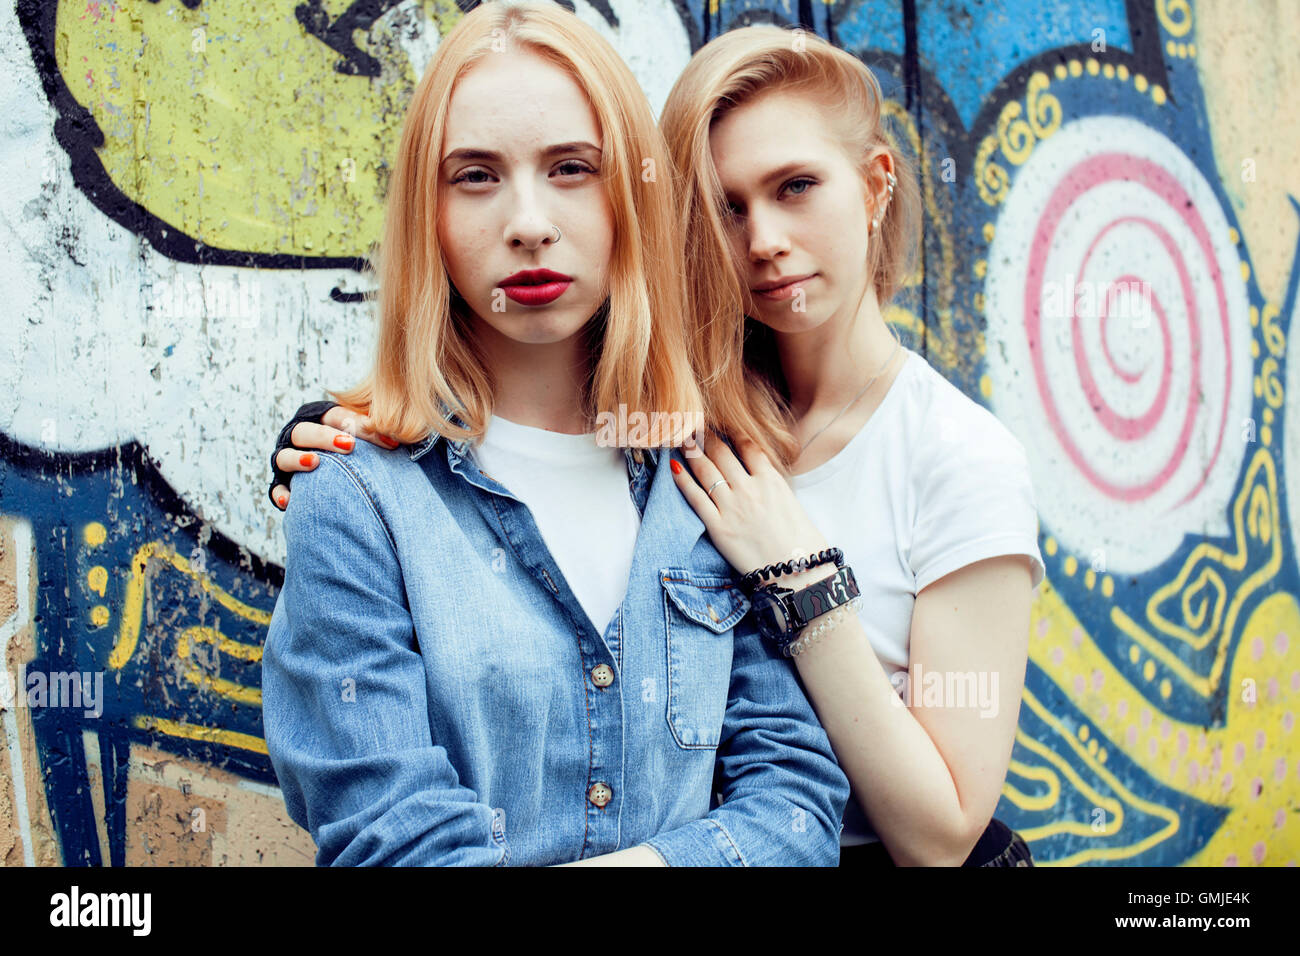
(745,392)
(425,354)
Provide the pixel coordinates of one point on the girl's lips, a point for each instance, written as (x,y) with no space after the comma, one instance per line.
(543,294)
(783,292)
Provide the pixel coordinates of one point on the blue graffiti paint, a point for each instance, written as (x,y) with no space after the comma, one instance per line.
(121,490)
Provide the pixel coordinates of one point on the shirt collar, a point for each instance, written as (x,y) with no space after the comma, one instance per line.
(461,446)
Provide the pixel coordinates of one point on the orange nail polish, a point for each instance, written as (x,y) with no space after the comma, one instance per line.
(307,459)
(391,442)
(677,469)
(281,499)
(343,441)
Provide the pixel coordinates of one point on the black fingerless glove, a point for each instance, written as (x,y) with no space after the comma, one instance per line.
(311,412)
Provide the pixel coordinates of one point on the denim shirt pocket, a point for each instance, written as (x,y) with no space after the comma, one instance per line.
(700,611)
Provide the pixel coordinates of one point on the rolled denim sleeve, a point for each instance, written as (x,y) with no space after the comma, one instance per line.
(344,704)
(783,793)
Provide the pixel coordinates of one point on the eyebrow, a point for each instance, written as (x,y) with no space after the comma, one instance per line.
(491,156)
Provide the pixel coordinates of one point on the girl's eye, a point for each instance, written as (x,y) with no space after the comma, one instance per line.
(804,185)
(466,177)
(573,167)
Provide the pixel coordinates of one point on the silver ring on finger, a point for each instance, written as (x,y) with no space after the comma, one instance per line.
(720,481)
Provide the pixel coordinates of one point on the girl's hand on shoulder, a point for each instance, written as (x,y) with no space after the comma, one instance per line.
(337,430)
(753,518)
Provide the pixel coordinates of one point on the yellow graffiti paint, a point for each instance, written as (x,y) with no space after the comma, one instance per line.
(215,735)
(133,603)
(1258,770)
(1175,16)
(1257,544)
(1113,806)
(1179,755)
(230,123)
(97,579)
(243,693)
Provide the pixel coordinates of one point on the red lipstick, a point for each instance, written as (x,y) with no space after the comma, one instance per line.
(535,286)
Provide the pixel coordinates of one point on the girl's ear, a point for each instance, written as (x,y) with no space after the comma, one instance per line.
(877,181)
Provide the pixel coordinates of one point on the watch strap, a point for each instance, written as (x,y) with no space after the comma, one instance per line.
(822,597)
(803,606)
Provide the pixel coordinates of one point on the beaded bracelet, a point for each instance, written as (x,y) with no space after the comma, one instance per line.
(749,582)
(813,633)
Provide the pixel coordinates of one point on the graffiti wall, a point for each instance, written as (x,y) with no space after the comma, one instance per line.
(1111,193)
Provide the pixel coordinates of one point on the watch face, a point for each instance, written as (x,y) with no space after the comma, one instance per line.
(769,615)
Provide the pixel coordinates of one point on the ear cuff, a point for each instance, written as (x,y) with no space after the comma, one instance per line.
(892,181)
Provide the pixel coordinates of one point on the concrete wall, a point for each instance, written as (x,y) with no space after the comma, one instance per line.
(190,187)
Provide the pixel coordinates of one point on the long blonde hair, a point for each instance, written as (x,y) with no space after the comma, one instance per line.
(425,354)
(744,390)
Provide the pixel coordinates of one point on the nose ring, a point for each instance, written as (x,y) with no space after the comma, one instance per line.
(557,234)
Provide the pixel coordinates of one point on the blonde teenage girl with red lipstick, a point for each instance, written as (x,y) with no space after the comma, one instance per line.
(502,641)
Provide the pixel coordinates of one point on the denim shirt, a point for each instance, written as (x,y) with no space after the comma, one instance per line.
(433,692)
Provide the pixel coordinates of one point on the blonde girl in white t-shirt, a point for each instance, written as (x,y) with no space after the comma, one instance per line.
(802,221)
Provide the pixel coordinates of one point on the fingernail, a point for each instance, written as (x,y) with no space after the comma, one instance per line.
(391,442)
(343,441)
(307,459)
(281,499)
(677,469)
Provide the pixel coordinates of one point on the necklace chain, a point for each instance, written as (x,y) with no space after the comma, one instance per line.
(872,381)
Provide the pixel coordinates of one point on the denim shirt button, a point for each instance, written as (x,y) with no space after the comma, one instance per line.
(600,794)
(602,675)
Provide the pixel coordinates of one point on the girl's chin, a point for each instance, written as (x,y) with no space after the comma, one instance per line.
(534,329)
(783,318)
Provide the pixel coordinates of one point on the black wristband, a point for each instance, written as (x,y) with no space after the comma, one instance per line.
(311,412)
(751,580)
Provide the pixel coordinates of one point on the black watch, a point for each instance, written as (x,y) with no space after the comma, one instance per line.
(781,613)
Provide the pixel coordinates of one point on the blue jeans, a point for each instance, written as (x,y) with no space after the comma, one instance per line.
(998,845)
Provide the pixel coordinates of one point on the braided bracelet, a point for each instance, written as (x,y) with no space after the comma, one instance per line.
(813,633)
(749,582)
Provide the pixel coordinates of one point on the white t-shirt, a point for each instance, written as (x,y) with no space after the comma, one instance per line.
(577,492)
(931,483)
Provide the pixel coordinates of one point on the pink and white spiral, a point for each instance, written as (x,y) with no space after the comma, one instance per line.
(1118,339)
